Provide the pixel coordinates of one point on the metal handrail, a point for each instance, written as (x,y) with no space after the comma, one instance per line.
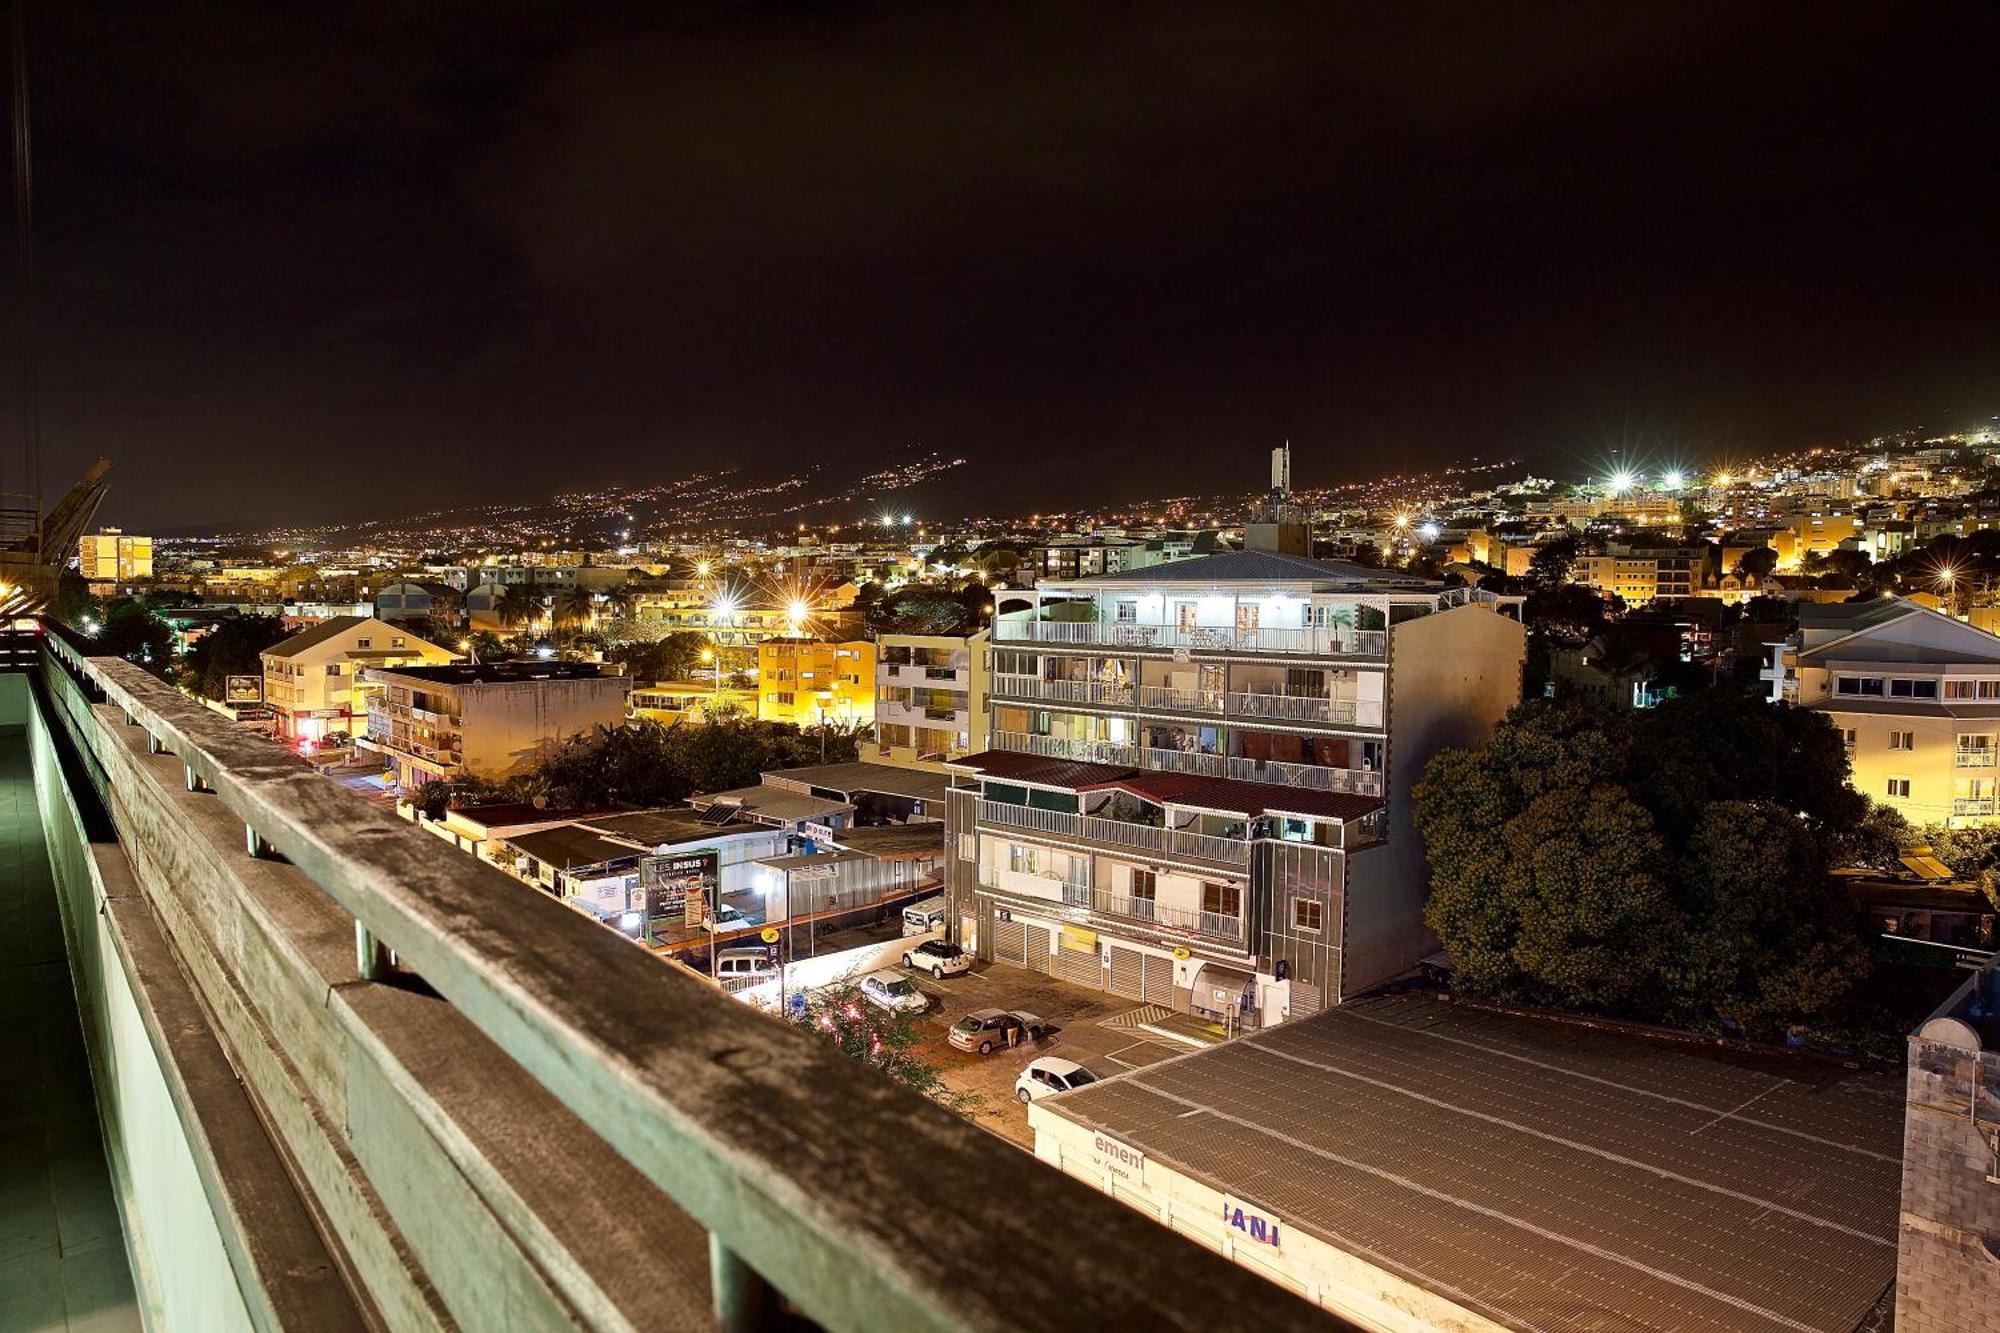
(757,1130)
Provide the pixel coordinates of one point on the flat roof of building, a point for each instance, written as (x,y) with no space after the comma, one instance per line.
(1265,567)
(884,779)
(660,828)
(1041,771)
(1545,1174)
(773,802)
(893,842)
(569,845)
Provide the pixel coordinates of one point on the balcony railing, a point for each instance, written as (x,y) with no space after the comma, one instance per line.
(1063,691)
(1185,761)
(1148,909)
(1294,642)
(1293,707)
(1982,758)
(1315,776)
(1182,701)
(1117,832)
(1975,805)
(513,1082)
(1058,747)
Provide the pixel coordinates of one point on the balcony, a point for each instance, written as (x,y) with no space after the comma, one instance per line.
(328,1019)
(1973,758)
(1185,761)
(1063,691)
(1169,699)
(1314,776)
(1298,708)
(1334,642)
(1147,909)
(1116,833)
(1058,747)
(1963,807)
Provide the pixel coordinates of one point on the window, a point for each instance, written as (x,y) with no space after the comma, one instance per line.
(1913,689)
(1961,689)
(1222,899)
(1847,737)
(1145,884)
(968,847)
(1026,860)
(1899,788)
(363,643)
(1126,612)
(333,668)
(1902,740)
(1306,914)
(1866,686)
(395,643)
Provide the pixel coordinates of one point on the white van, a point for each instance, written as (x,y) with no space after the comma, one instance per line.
(737,969)
(925,917)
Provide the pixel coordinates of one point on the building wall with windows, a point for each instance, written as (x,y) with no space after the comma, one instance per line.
(314,681)
(807,681)
(112,556)
(932,703)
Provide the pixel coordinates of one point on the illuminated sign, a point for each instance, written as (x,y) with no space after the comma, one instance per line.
(243,690)
(682,885)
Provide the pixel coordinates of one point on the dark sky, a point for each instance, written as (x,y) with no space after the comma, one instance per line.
(310,261)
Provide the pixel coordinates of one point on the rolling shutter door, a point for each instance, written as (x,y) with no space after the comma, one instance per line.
(1083,966)
(1305,999)
(1128,973)
(1158,982)
(1038,948)
(1008,944)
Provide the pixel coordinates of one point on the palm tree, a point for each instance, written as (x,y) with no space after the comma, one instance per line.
(517,606)
(576,605)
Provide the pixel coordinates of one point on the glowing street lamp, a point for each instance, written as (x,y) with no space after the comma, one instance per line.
(1672,480)
(1621,482)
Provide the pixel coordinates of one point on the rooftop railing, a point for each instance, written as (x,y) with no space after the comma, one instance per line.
(446,1083)
(1327,642)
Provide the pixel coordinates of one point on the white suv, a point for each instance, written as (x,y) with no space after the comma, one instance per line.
(939,958)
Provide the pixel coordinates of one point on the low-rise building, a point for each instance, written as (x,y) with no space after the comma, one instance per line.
(931,702)
(315,682)
(810,682)
(1916,696)
(489,719)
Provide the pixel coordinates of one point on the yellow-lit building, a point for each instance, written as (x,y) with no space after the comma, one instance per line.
(807,681)
(1814,534)
(113,556)
(673,701)
(313,681)
(932,703)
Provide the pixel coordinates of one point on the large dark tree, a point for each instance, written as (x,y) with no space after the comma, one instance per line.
(133,632)
(1670,865)
(233,648)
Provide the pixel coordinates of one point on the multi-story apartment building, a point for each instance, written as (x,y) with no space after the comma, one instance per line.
(113,556)
(1198,786)
(931,698)
(1641,575)
(315,683)
(1916,696)
(489,719)
(1816,533)
(808,681)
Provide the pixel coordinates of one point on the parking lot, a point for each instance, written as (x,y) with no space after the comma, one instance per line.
(1085,1026)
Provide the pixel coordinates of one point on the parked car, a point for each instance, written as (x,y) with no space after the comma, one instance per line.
(940,958)
(894,992)
(739,969)
(1050,1074)
(986,1030)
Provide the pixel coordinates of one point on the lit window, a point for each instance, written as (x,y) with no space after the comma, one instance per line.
(1902,740)
(1899,788)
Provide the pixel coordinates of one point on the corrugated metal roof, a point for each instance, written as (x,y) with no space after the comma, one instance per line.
(1544,1174)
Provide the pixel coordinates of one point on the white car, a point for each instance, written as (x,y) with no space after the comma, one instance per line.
(1047,1075)
(894,992)
(939,958)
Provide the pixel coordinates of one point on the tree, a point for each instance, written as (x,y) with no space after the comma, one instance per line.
(133,632)
(233,648)
(519,605)
(670,658)
(1670,865)
(575,605)
(889,1042)
(1549,567)
(1758,562)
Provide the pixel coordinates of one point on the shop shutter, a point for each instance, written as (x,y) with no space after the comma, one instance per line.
(1008,946)
(1128,973)
(1082,966)
(1305,999)
(1038,948)
(1158,985)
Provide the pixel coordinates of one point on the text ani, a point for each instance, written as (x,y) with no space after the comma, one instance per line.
(1256,1228)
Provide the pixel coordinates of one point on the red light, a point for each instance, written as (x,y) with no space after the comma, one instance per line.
(305,745)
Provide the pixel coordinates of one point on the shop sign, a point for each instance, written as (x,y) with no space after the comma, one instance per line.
(1119,1159)
(820,835)
(682,885)
(1249,1223)
(243,690)
(1079,939)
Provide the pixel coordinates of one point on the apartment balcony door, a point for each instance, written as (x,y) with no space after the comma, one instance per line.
(1184,617)
(1246,617)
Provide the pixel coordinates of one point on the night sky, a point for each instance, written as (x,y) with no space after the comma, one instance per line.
(311,262)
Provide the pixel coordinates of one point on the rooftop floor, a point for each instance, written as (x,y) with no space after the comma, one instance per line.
(62,1254)
(1544,1174)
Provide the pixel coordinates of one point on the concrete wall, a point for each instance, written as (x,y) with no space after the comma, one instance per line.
(1947,1272)
(507,725)
(1452,675)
